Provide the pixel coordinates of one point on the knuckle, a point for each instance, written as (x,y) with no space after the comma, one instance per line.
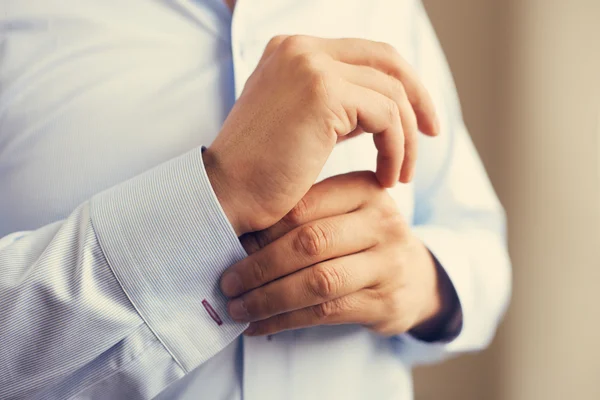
(386,205)
(394,306)
(312,240)
(266,303)
(299,213)
(397,87)
(294,44)
(318,87)
(325,310)
(369,180)
(278,323)
(259,303)
(390,210)
(394,55)
(392,110)
(395,225)
(258,272)
(311,71)
(276,41)
(325,282)
(410,120)
(397,230)
(400,95)
(312,65)
(388,48)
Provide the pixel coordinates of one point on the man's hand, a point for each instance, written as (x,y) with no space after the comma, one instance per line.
(304,96)
(343,255)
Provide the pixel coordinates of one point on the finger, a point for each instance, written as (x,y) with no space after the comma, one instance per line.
(377,114)
(389,163)
(385,58)
(394,89)
(304,246)
(271,46)
(314,285)
(356,132)
(356,308)
(381,56)
(337,195)
(411,143)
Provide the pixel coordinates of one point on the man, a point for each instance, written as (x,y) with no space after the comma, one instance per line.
(122,275)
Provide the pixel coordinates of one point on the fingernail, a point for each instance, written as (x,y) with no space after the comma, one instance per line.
(237,310)
(231,284)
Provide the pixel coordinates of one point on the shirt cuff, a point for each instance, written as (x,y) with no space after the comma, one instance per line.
(447,248)
(167,240)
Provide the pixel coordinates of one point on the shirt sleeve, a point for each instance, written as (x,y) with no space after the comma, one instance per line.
(457,215)
(122,296)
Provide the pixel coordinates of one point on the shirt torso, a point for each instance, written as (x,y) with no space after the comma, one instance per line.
(149,80)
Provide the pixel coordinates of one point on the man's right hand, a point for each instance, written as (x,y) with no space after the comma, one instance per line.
(305,95)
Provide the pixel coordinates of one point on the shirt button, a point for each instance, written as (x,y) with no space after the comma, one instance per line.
(241,53)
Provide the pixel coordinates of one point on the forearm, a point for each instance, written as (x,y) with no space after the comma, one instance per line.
(125,277)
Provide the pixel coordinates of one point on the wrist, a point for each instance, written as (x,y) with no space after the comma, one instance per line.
(223,190)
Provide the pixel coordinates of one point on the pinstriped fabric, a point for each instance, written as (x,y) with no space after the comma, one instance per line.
(58,298)
(137,380)
(168,249)
(128,370)
(107,303)
(69,321)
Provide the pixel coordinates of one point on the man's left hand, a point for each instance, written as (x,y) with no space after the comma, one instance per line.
(343,255)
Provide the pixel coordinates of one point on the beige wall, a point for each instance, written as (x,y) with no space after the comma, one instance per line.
(528,75)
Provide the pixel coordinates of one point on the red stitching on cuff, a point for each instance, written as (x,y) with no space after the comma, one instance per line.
(211,311)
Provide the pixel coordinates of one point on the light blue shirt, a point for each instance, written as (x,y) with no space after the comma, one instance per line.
(112,241)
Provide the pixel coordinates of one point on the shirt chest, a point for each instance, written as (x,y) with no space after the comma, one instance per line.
(103,95)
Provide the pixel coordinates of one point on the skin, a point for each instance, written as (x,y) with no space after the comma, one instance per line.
(306,95)
(340,251)
(343,255)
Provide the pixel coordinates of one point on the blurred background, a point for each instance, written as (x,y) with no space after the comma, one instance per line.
(528,74)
